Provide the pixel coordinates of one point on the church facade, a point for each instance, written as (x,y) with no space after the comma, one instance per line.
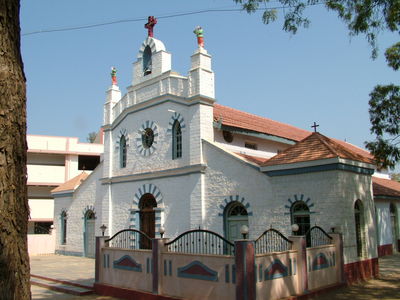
(175,159)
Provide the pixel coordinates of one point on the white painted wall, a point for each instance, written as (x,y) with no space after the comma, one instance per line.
(41,208)
(265,148)
(385,234)
(332,195)
(90,195)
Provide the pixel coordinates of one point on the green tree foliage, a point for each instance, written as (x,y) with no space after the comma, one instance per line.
(91,137)
(362,17)
(384,115)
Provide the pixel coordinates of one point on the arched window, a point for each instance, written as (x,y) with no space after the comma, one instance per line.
(394,224)
(235,216)
(359,225)
(63,221)
(122,152)
(176,140)
(300,214)
(147,63)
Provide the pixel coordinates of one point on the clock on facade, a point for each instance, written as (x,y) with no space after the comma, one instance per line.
(147,141)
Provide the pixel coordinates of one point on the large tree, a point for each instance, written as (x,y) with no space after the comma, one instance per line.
(362,17)
(14,210)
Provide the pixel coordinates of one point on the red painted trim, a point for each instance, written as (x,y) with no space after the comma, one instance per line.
(303,257)
(155,265)
(361,270)
(108,290)
(97,260)
(63,282)
(250,271)
(384,250)
(239,263)
(66,152)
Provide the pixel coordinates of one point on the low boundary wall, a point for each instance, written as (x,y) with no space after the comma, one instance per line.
(160,274)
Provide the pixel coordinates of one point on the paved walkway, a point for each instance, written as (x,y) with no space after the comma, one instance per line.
(387,287)
(81,270)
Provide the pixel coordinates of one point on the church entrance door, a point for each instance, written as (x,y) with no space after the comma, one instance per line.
(147,218)
(235,217)
(89,234)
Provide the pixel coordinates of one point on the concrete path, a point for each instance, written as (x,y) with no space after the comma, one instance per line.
(81,270)
(387,287)
(66,268)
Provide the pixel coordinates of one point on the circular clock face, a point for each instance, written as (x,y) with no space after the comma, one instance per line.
(146,141)
(147,138)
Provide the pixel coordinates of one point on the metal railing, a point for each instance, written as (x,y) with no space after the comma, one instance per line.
(201,241)
(272,240)
(130,239)
(316,236)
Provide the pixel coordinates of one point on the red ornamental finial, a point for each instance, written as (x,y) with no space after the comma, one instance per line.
(198,31)
(151,22)
(114,75)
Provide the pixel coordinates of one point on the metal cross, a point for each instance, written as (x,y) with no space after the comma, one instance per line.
(149,25)
(315,127)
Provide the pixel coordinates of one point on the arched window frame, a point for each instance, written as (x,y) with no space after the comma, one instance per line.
(122,152)
(147,61)
(176,140)
(234,209)
(63,222)
(296,213)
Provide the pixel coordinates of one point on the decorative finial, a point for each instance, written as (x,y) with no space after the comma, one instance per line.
(198,31)
(315,127)
(151,22)
(114,76)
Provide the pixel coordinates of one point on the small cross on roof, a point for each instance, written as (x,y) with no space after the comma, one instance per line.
(315,126)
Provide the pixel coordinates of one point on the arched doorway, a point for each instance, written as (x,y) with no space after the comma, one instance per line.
(89,239)
(395,225)
(235,217)
(147,204)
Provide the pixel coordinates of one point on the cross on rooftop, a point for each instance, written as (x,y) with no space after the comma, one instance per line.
(149,25)
(315,126)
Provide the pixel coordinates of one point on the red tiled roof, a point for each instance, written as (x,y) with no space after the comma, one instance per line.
(314,147)
(385,187)
(71,184)
(355,149)
(240,119)
(255,159)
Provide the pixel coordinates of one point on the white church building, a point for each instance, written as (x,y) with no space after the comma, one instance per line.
(176,159)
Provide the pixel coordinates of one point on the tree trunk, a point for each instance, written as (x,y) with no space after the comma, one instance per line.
(14,210)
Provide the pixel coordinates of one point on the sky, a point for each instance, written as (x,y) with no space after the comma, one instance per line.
(318,75)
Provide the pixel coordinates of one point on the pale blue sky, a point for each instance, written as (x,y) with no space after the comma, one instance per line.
(319,74)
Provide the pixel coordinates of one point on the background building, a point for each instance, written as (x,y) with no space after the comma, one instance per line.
(51,161)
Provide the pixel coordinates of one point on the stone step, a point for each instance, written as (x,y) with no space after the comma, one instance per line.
(61,286)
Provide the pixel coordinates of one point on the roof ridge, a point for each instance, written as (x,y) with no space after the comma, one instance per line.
(323,138)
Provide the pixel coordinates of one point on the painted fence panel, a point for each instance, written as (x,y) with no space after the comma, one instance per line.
(127,268)
(276,275)
(322,266)
(194,276)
